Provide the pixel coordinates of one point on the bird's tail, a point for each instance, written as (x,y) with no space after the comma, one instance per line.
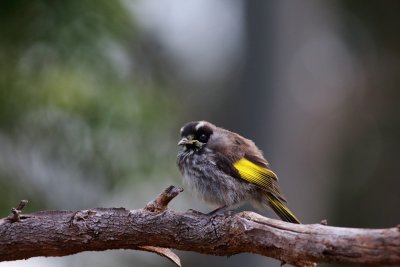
(280,209)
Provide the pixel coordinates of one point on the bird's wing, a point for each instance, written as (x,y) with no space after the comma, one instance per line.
(242,159)
(252,171)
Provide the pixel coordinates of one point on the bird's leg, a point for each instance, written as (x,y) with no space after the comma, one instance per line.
(221,209)
(195,212)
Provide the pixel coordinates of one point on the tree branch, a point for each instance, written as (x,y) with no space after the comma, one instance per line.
(60,233)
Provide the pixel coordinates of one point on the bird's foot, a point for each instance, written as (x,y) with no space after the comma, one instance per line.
(221,211)
(195,212)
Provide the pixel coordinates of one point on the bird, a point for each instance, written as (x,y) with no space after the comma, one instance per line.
(226,170)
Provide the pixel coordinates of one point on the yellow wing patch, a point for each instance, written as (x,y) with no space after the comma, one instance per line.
(255,174)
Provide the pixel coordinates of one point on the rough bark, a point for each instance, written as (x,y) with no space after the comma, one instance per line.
(60,233)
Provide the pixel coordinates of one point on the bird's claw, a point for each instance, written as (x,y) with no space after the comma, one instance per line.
(195,212)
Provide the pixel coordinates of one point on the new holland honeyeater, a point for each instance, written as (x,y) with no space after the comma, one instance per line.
(225,169)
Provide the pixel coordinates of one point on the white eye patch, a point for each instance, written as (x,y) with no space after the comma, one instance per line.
(199,125)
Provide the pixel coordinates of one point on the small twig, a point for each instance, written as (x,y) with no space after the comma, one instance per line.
(164,252)
(159,205)
(324,222)
(15,212)
(22,204)
(161,202)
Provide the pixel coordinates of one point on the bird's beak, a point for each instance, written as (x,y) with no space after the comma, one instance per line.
(184,141)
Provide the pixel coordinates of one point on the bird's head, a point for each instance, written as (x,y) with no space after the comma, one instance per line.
(196,134)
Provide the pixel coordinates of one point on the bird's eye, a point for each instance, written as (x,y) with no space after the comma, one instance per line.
(203,138)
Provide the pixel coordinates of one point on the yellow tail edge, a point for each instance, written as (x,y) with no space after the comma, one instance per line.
(281,210)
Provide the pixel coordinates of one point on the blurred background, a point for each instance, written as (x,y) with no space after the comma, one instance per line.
(93,93)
